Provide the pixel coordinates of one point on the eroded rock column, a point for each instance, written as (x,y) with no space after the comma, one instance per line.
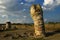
(8,25)
(37,16)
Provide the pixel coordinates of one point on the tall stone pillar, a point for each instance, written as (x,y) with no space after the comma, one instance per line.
(8,25)
(37,16)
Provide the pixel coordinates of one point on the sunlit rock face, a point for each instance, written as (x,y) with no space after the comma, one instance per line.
(37,16)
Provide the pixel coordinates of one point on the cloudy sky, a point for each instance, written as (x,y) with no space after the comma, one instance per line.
(17,11)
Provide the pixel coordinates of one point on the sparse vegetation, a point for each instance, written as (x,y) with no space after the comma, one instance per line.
(26,32)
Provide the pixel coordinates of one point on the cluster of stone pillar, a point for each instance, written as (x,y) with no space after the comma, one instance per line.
(37,16)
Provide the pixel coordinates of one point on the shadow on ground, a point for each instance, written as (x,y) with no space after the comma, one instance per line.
(52,33)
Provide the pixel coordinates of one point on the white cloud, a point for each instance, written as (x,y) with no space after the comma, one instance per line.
(1,2)
(50,4)
(21,3)
(19,21)
(46,2)
(58,2)
(44,8)
(5,1)
(14,11)
(24,16)
(27,4)
(29,0)
(2,10)
(4,16)
(24,9)
(2,7)
(45,20)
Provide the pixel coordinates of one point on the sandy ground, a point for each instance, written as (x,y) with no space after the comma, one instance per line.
(19,35)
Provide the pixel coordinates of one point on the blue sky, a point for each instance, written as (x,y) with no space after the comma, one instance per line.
(17,11)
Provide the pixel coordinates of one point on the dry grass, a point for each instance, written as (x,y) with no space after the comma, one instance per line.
(24,31)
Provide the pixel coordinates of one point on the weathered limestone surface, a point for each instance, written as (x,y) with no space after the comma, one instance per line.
(37,16)
(8,25)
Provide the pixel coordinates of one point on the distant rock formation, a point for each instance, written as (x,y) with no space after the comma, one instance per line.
(37,16)
(8,25)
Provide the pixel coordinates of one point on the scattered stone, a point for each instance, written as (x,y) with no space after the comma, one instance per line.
(7,35)
(15,36)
